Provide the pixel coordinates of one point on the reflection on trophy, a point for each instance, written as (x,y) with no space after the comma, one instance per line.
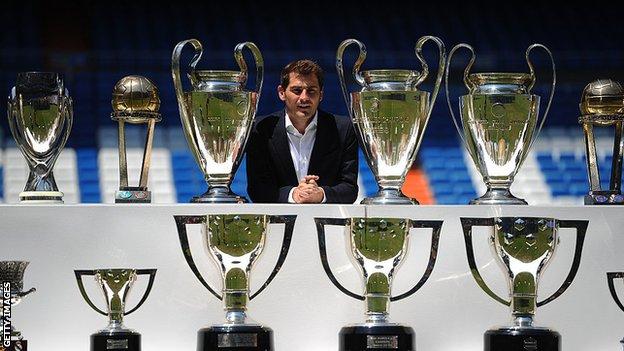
(611,276)
(235,242)
(116,285)
(135,101)
(499,116)
(390,114)
(12,273)
(217,115)
(379,246)
(523,247)
(40,118)
(602,105)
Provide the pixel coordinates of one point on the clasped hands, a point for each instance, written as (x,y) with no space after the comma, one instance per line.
(308,191)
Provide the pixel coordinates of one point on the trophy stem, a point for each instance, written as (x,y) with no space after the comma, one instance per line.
(219,194)
(523,321)
(235,317)
(389,196)
(498,194)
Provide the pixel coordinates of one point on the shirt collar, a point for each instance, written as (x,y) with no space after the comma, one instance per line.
(290,128)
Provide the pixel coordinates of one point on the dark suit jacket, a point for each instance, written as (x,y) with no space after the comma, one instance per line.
(270,170)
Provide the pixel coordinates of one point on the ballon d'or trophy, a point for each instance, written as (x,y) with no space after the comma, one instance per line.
(135,101)
(116,285)
(499,118)
(217,114)
(611,277)
(235,241)
(602,105)
(12,279)
(523,247)
(379,245)
(40,118)
(390,113)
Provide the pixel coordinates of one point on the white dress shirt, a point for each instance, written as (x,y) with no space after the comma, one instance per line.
(300,146)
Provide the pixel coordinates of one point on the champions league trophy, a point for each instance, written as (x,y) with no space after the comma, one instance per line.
(40,118)
(611,276)
(235,242)
(12,273)
(135,101)
(115,284)
(378,245)
(523,247)
(602,105)
(390,114)
(217,115)
(499,116)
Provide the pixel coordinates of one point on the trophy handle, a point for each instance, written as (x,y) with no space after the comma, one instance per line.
(152,275)
(466,82)
(436,226)
(177,80)
(289,221)
(611,276)
(467,224)
(320,229)
(79,274)
(581,230)
(552,88)
(356,68)
(24,293)
(425,67)
(238,56)
(181,222)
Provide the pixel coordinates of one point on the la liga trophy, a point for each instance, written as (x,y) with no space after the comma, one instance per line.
(611,277)
(379,245)
(235,241)
(40,118)
(116,285)
(523,247)
(217,114)
(390,113)
(499,122)
(12,280)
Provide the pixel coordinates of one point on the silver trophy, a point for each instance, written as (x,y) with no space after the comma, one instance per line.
(40,118)
(523,247)
(12,272)
(602,105)
(499,118)
(217,114)
(135,101)
(379,246)
(611,277)
(116,285)
(390,113)
(235,241)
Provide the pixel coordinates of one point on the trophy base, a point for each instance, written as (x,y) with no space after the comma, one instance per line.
(219,195)
(384,337)
(521,339)
(16,345)
(127,341)
(236,337)
(498,197)
(604,198)
(133,196)
(41,197)
(389,197)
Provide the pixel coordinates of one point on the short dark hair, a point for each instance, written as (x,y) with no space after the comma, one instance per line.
(303,67)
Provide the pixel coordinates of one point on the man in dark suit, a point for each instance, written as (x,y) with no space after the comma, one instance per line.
(302,154)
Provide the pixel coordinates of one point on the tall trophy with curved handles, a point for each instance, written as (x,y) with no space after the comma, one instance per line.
(499,117)
(116,284)
(523,247)
(390,113)
(12,280)
(611,277)
(40,118)
(217,114)
(379,246)
(235,241)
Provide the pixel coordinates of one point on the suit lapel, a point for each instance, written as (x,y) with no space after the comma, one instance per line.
(325,143)
(279,140)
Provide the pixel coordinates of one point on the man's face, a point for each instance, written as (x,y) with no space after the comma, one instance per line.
(302,96)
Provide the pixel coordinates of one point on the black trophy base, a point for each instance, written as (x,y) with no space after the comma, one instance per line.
(18,345)
(122,341)
(521,339)
(389,337)
(235,338)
